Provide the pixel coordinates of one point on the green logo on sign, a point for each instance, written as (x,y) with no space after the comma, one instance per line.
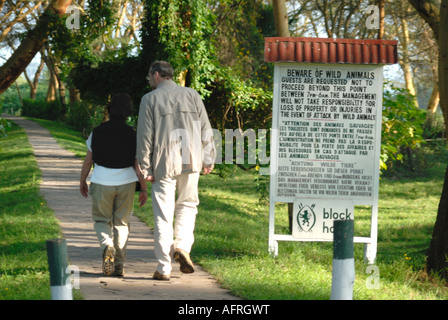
(306,218)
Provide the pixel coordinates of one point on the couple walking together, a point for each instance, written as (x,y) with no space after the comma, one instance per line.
(164,151)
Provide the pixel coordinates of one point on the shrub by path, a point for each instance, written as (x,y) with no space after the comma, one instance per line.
(60,187)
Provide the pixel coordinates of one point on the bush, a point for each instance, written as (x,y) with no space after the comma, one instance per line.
(4,126)
(43,110)
(412,139)
(435,149)
(402,130)
(83,117)
(80,116)
(434,128)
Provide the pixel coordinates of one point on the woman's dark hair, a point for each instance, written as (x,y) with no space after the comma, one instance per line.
(120,107)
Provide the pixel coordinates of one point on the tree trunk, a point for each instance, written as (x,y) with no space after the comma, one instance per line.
(281,18)
(434,99)
(61,86)
(436,261)
(430,12)
(438,20)
(408,78)
(381,4)
(74,95)
(35,82)
(438,250)
(282,30)
(55,84)
(52,87)
(443,61)
(31,44)
(19,93)
(405,61)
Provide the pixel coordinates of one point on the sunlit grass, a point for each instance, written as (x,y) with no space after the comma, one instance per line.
(232,243)
(25,223)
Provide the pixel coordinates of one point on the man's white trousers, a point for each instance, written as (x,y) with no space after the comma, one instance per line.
(174,219)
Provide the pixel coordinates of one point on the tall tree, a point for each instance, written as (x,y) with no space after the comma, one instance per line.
(31,44)
(401,18)
(381,5)
(33,83)
(15,12)
(99,69)
(437,17)
(282,30)
(281,18)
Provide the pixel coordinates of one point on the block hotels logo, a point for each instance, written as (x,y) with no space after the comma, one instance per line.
(306,218)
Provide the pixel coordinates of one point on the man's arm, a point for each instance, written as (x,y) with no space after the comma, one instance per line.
(145,136)
(208,142)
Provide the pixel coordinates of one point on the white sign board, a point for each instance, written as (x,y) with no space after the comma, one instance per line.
(314,219)
(328,119)
(326,145)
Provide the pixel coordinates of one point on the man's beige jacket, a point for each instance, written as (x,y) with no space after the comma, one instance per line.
(174,134)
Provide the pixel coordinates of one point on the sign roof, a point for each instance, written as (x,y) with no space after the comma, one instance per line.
(330,50)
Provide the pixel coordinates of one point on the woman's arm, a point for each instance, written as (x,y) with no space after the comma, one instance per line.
(86,166)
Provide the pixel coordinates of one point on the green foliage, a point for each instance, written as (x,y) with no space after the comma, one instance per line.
(85,44)
(235,103)
(80,116)
(239,39)
(11,99)
(434,127)
(402,126)
(244,95)
(99,83)
(185,31)
(217,49)
(45,110)
(96,63)
(84,116)
(4,126)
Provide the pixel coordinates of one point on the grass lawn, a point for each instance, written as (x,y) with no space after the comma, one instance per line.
(25,222)
(232,235)
(232,243)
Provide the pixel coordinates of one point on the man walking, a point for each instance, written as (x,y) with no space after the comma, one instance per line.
(174,143)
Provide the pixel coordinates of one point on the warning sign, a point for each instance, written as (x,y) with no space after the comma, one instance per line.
(328,119)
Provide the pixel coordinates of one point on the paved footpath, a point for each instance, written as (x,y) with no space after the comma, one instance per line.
(60,187)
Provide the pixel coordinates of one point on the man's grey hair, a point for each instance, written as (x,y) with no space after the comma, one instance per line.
(164,68)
